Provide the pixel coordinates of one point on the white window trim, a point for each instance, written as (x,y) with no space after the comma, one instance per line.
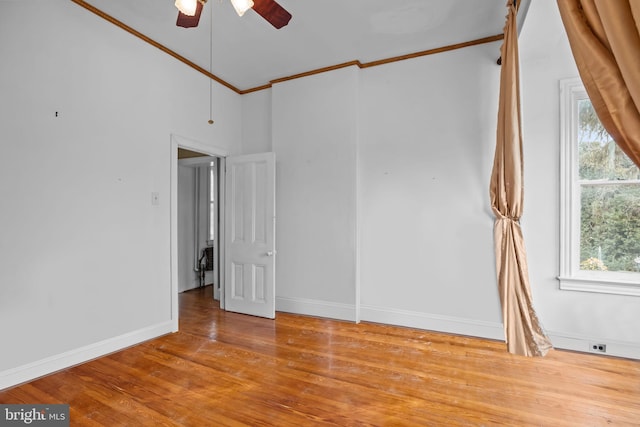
(571,277)
(212,174)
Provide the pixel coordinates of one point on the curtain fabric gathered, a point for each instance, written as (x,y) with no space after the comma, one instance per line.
(523,332)
(605,40)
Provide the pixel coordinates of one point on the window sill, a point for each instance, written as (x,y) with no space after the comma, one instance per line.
(583,284)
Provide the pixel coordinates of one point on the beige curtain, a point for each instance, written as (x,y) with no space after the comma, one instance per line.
(523,333)
(605,40)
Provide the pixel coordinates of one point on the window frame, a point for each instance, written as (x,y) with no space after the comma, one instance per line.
(212,215)
(571,277)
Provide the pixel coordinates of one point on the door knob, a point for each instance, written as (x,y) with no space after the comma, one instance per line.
(271,253)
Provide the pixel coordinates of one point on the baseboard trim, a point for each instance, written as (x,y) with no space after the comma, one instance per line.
(39,368)
(309,307)
(583,344)
(432,322)
(491,330)
(426,321)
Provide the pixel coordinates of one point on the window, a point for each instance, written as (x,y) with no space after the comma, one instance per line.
(211,197)
(600,203)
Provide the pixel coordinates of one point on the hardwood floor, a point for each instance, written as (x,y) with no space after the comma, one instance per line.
(226,369)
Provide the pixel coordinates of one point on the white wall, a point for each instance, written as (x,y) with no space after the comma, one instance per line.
(256,122)
(426,148)
(425,138)
(400,154)
(187,278)
(572,318)
(314,137)
(84,256)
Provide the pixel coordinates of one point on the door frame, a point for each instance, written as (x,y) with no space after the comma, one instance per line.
(178,141)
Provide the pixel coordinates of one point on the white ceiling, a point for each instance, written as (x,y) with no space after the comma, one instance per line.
(248,52)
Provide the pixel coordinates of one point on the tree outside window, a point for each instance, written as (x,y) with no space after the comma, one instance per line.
(609,198)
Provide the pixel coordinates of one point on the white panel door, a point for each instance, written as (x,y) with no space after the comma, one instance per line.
(250,235)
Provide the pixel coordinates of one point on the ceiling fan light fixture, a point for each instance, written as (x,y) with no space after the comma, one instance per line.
(188,7)
(241,6)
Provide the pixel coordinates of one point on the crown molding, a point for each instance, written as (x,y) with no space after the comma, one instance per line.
(356,63)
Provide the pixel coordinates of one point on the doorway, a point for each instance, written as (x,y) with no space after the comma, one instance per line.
(207,153)
(198,225)
(246,231)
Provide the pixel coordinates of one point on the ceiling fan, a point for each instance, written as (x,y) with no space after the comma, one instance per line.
(189,11)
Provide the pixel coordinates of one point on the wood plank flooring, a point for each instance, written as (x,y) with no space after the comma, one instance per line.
(226,369)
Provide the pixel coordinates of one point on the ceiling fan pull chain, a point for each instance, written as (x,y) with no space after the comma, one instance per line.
(210,121)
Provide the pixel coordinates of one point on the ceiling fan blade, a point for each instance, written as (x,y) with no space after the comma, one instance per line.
(275,14)
(187,21)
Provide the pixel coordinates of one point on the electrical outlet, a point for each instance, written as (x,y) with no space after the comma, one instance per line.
(598,348)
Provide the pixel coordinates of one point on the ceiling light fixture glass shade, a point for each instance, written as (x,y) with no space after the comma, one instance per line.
(188,7)
(241,6)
